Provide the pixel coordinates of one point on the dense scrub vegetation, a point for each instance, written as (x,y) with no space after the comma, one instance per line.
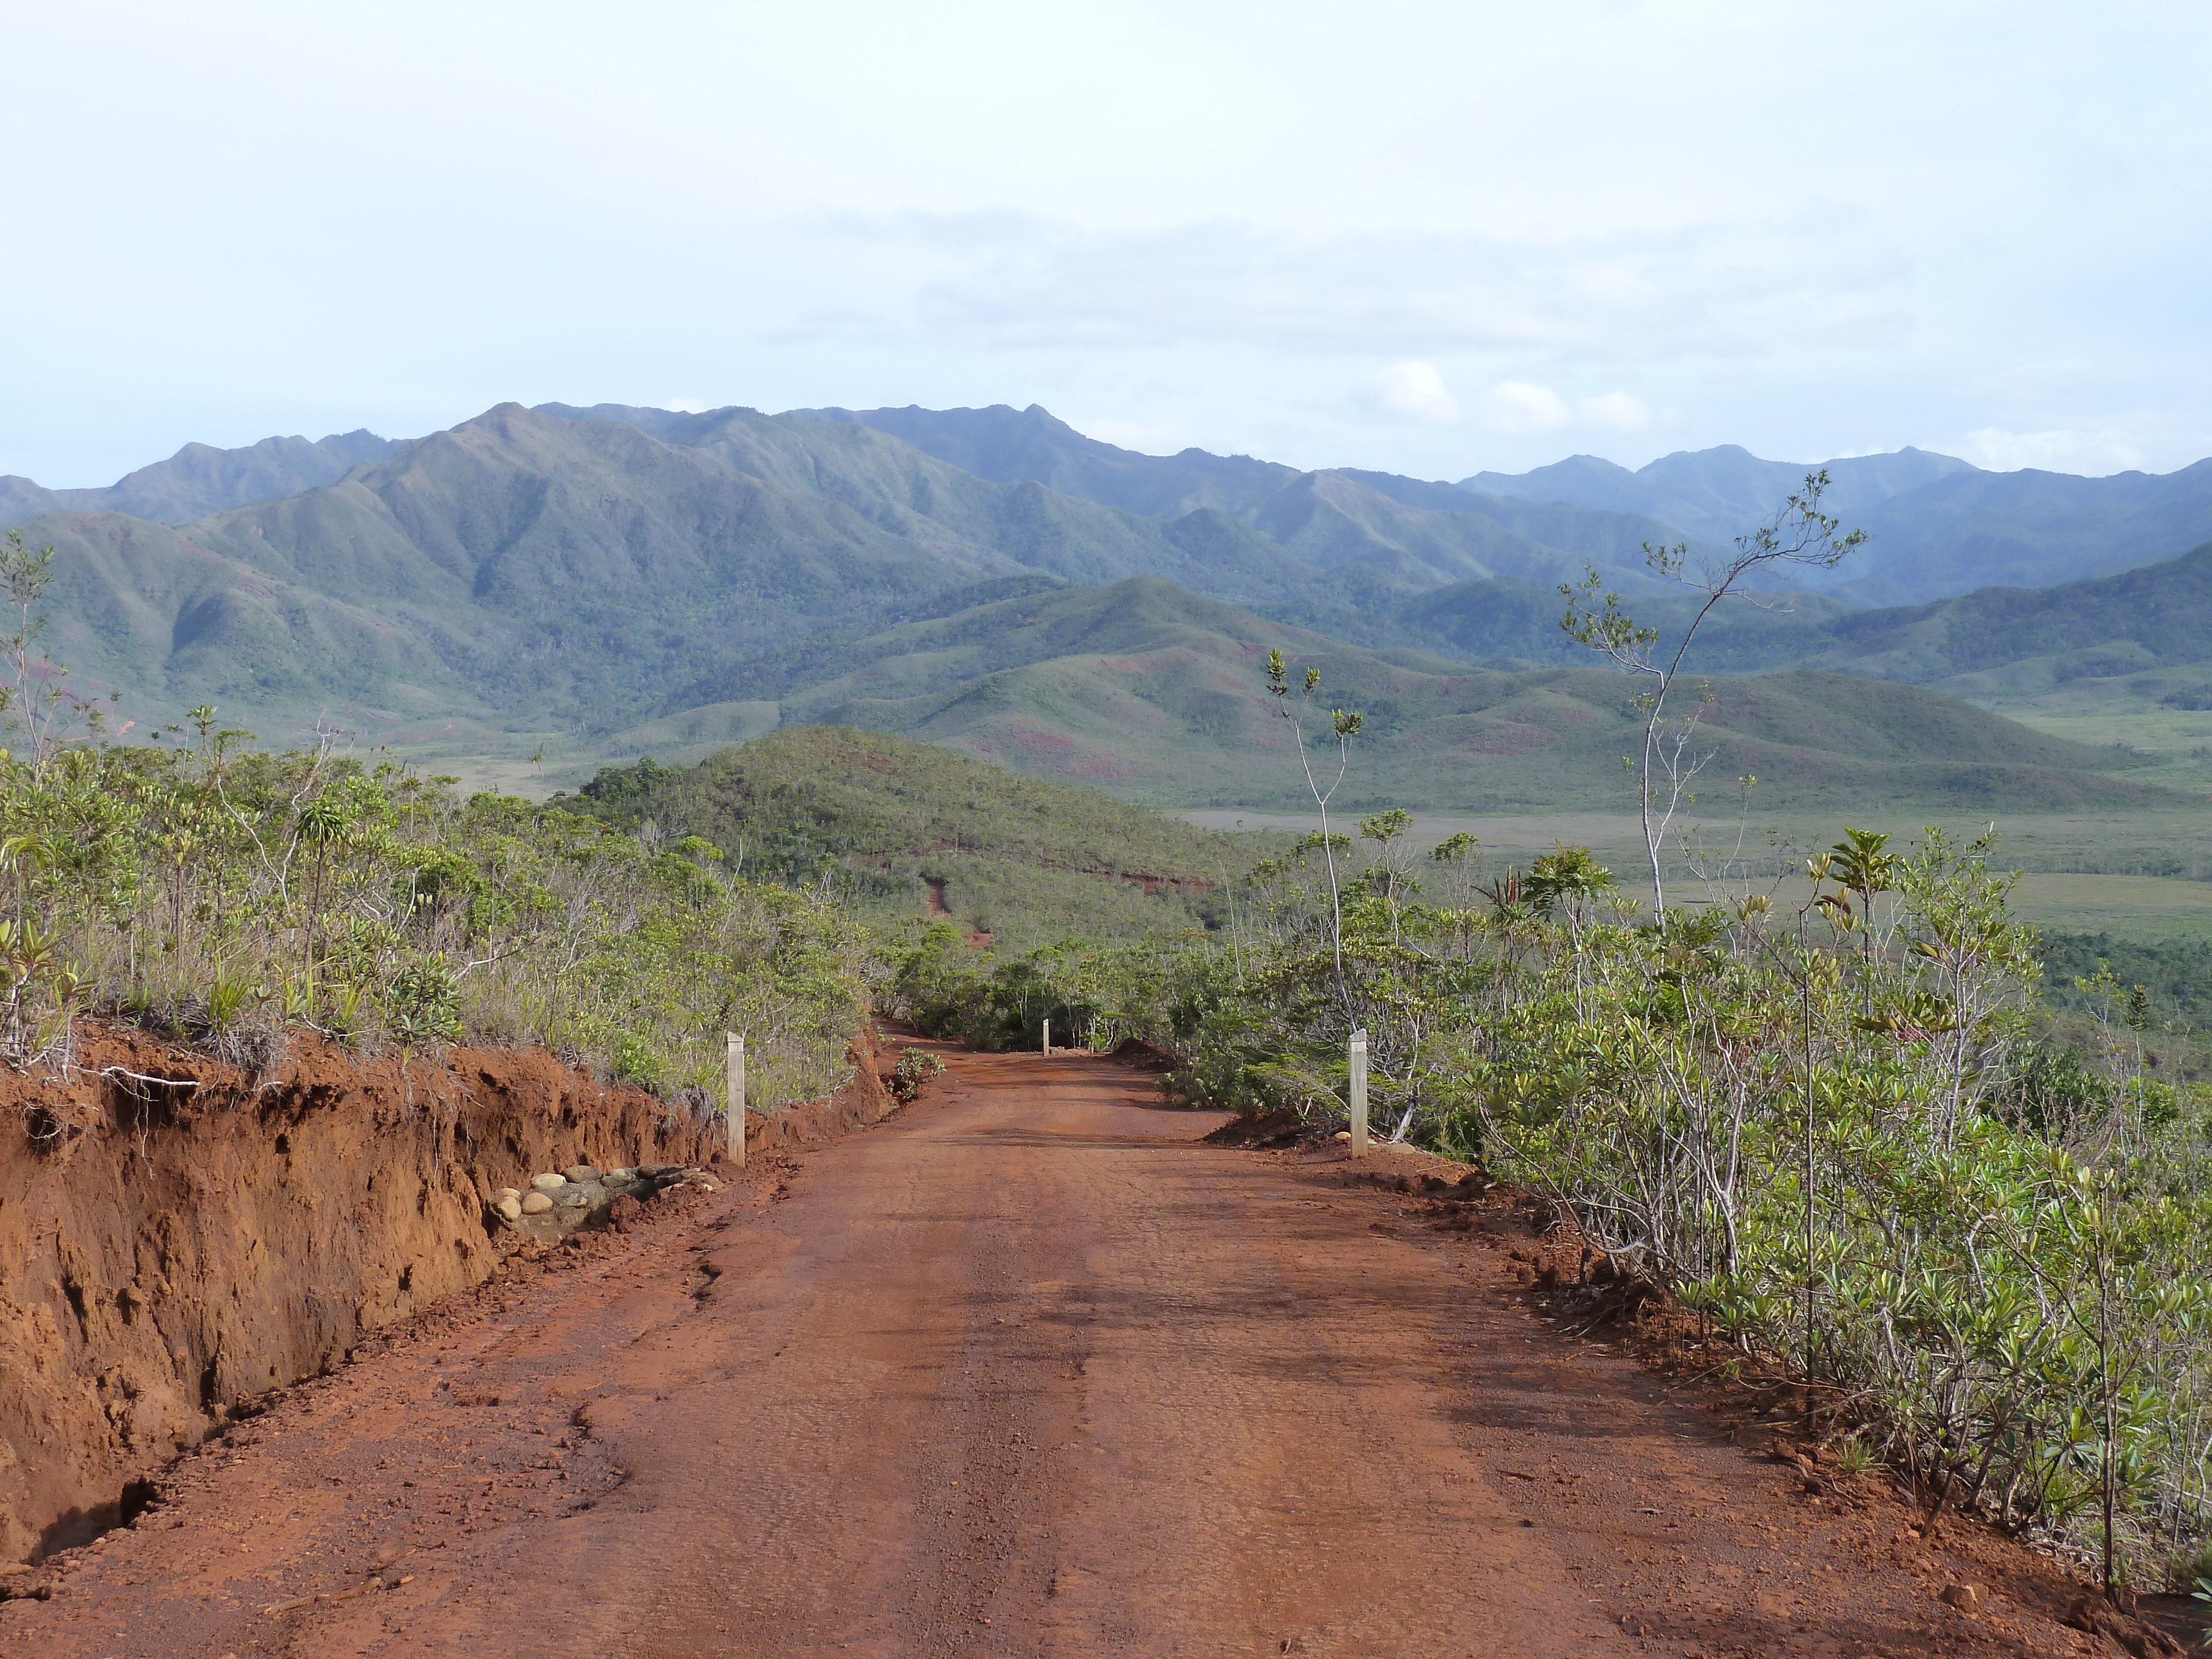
(228,897)
(1824,1110)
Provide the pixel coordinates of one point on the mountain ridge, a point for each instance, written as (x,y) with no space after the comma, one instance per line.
(566,570)
(1936,526)
(199,479)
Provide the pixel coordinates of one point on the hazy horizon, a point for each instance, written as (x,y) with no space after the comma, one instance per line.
(687,408)
(1434,239)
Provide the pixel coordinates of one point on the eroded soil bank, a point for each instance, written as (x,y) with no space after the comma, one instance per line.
(178,1236)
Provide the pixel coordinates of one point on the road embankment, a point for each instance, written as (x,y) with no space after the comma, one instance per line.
(178,1236)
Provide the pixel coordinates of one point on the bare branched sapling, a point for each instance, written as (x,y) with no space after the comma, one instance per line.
(1345,723)
(1799,534)
(33,697)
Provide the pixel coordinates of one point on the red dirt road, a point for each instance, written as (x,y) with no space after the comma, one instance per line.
(1025,1370)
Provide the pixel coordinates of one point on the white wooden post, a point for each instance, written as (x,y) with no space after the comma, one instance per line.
(737,1103)
(1359,1092)
(1047,1039)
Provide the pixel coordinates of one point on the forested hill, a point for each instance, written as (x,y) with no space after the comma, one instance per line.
(2153,624)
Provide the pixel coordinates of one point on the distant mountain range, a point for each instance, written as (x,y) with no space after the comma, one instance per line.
(624,578)
(1935,526)
(198,480)
(578,571)
(1720,493)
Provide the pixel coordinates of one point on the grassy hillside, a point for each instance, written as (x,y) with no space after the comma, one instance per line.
(542,571)
(1157,695)
(915,829)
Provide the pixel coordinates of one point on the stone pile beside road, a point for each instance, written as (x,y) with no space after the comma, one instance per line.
(560,1201)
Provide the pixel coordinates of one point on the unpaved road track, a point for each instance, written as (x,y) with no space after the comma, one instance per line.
(1024,1370)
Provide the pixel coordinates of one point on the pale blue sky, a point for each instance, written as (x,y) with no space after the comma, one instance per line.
(1430,238)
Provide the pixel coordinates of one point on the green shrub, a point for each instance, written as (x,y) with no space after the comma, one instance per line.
(223,894)
(916,1067)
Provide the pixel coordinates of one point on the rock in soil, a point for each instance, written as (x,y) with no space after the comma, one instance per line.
(577,1203)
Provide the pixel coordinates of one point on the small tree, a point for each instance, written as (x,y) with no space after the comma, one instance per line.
(1392,870)
(1798,534)
(1345,725)
(33,697)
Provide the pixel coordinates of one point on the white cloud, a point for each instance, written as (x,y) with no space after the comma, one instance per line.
(1417,389)
(2014,241)
(2061,451)
(1516,406)
(686,405)
(1013,280)
(1616,410)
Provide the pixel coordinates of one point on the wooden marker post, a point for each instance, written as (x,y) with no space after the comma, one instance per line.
(1047,1039)
(736,1102)
(1359,1092)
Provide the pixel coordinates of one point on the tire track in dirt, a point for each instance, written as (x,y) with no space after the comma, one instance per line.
(1025,1370)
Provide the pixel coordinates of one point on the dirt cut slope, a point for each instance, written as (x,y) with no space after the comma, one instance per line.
(178,1236)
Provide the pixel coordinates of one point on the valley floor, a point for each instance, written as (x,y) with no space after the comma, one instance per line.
(1025,1369)
(2141,876)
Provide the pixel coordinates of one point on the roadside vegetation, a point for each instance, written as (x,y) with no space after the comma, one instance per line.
(1824,1100)
(228,897)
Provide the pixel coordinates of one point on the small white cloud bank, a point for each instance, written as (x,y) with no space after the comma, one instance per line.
(1522,406)
(2091,454)
(1519,408)
(1616,411)
(1417,391)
